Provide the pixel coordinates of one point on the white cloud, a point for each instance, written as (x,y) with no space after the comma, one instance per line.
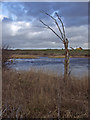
(78,35)
(14,29)
(25,35)
(54,43)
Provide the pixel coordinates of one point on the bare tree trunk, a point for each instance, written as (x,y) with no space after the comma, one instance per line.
(66,61)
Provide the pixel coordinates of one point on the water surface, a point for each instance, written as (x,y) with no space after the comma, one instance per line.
(78,66)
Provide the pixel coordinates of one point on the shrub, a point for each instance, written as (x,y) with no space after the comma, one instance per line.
(5,55)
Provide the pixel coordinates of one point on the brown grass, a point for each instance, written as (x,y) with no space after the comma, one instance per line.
(23,56)
(15,56)
(35,95)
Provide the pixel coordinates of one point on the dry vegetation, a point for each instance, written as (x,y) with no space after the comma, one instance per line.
(6,55)
(24,56)
(48,53)
(35,95)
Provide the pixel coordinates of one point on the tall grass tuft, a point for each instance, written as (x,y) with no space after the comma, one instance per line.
(35,95)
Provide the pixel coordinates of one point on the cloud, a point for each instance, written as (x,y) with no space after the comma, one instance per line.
(73,13)
(21,27)
(24,35)
(78,36)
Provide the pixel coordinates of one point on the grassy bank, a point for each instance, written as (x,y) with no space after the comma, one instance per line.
(37,56)
(48,52)
(39,95)
(24,56)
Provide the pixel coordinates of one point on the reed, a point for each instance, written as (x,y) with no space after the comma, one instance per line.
(34,94)
(24,56)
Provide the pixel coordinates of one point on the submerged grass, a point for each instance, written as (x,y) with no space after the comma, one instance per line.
(34,94)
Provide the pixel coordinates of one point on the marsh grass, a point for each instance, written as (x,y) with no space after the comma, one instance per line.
(34,94)
(56,53)
(23,56)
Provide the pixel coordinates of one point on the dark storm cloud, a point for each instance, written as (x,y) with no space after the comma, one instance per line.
(74,13)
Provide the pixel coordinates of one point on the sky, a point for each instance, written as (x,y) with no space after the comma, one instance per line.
(22,29)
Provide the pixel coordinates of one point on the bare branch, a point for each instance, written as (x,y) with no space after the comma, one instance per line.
(51,30)
(48,15)
(55,22)
(61,23)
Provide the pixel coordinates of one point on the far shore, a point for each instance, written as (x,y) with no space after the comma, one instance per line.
(50,53)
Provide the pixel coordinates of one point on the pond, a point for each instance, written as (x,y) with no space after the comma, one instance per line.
(78,66)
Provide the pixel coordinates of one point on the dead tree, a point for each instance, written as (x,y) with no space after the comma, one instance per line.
(63,39)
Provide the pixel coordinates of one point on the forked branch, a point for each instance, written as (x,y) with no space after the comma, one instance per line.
(61,23)
(51,29)
(55,22)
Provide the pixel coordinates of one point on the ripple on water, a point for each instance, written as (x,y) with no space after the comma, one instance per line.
(78,66)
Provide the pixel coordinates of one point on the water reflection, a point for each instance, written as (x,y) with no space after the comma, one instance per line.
(78,66)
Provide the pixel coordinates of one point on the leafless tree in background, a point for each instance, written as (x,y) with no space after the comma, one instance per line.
(63,39)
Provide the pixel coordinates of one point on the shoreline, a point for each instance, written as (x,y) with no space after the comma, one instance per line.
(37,56)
